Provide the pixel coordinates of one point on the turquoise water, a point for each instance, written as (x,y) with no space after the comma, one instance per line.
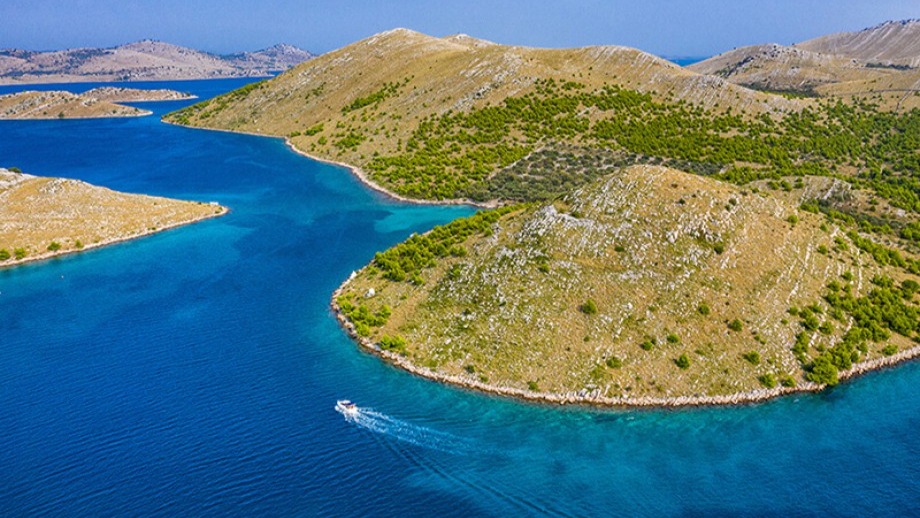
(195,372)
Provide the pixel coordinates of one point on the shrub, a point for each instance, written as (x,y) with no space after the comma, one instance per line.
(673,338)
(719,247)
(4,254)
(78,244)
(394,343)
(589,307)
(54,246)
(793,219)
(889,349)
(787,381)
(735,325)
(822,371)
(647,345)
(19,253)
(614,363)
(682,361)
(767,380)
(752,357)
(703,309)
(532,385)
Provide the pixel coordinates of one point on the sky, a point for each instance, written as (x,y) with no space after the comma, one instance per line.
(670,28)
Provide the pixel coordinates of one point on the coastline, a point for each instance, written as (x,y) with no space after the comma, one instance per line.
(364,179)
(353,169)
(110,241)
(596,400)
(143,113)
(570,398)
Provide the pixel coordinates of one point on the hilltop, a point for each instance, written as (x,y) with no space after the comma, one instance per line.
(374,103)
(95,103)
(644,286)
(44,217)
(146,60)
(879,63)
(889,43)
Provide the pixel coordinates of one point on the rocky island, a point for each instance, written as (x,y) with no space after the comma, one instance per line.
(664,237)
(146,60)
(46,217)
(95,103)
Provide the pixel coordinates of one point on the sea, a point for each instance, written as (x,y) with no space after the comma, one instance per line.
(195,372)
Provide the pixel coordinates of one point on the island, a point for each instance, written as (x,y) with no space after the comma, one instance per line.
(44,217)
(146,60)
(95,103)
(661,237)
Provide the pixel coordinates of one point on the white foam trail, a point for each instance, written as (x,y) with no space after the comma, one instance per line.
(405,431)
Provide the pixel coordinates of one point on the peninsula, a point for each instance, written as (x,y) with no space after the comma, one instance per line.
(664,237)
(46,217)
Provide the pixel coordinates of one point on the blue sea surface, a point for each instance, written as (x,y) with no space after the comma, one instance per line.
(194,373)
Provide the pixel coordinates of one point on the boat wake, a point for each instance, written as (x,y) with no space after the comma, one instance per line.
(407,432)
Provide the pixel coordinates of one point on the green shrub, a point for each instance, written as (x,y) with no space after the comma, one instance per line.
(682,361)
(648,345)
(822,371)
(19,253)
(54,246)
(752,357)
(703,309)
(533,386)
(588,308)
(719,247)
(614,362)
(673,338)
(889,349)
(393,343)
(735,325)
(767,380)
(787,381)
(4,254)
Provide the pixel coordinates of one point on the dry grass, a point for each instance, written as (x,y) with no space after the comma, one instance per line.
(440,74)
(641,243)
(61,105)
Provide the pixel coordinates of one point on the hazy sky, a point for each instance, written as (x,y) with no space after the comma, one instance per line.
(664,27)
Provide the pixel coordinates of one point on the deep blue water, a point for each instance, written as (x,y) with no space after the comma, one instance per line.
(194,373)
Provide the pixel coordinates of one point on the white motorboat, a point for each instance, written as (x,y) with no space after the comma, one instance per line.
(346,407)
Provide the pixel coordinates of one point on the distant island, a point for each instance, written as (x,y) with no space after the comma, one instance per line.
(93,104)
(44,217)
(146,60)
(662,237)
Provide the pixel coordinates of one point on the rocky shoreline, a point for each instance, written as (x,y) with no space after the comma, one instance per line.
(595,399)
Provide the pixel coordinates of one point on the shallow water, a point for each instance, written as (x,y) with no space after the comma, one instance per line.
(195,372)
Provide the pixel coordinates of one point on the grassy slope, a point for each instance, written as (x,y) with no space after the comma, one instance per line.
(369,98)
(641,243)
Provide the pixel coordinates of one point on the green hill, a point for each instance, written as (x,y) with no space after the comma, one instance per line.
(647,284)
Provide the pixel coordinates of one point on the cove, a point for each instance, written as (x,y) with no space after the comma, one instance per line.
(194,372)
